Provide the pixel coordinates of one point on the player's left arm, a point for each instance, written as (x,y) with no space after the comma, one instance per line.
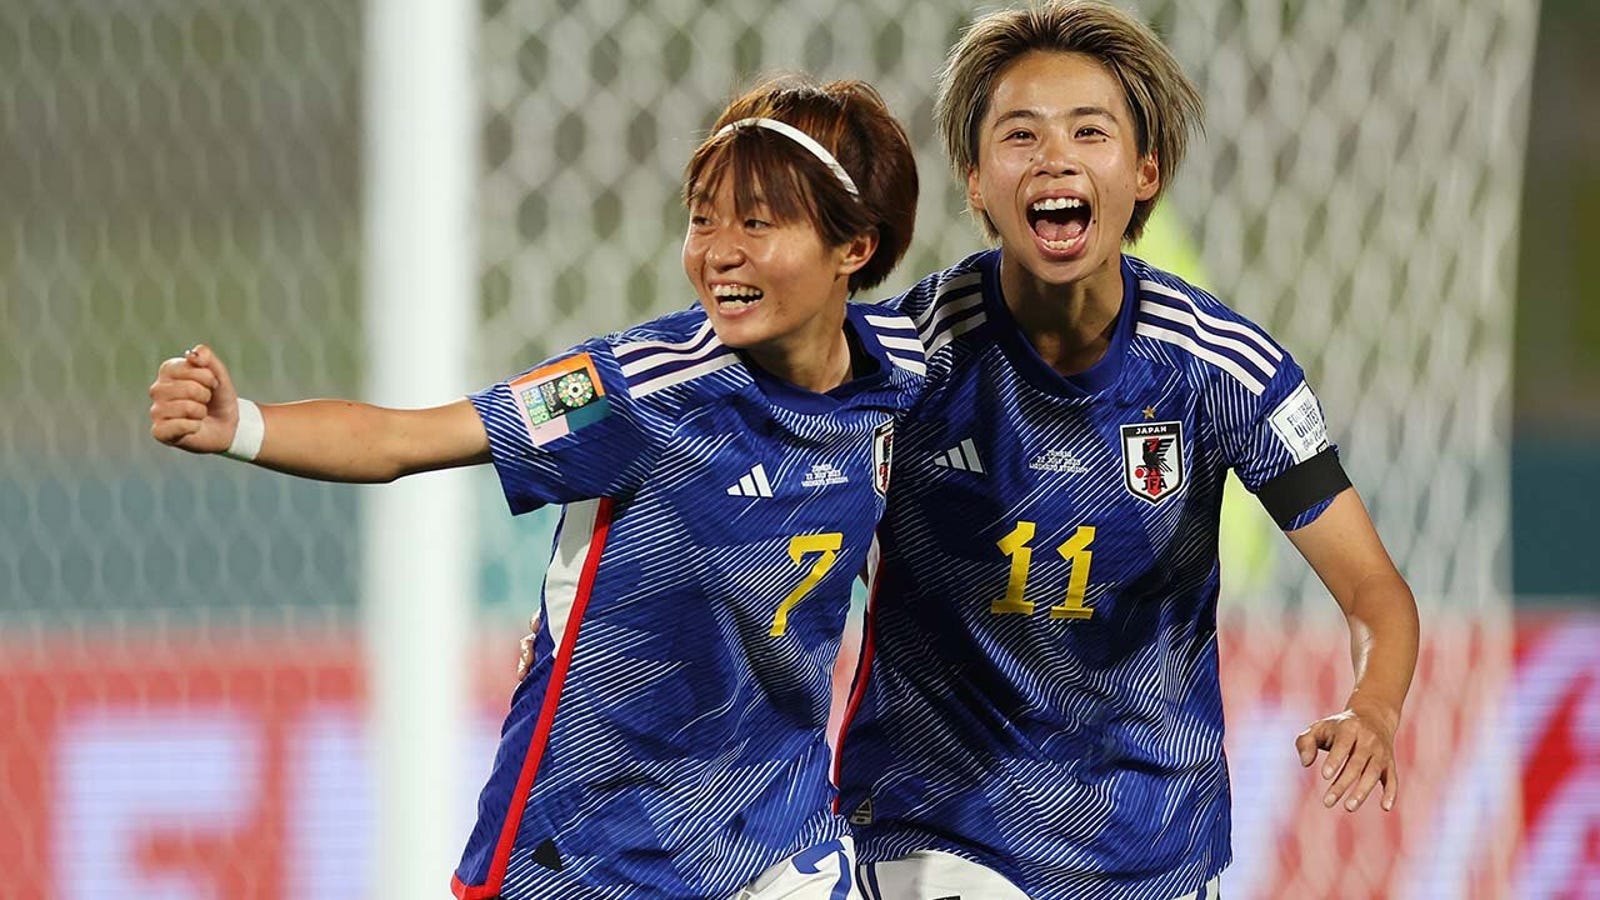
(1344,550)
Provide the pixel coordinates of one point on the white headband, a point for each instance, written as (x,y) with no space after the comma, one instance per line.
(804,140)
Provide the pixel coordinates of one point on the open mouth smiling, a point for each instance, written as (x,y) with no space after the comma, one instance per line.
(1060,223)
(735,295)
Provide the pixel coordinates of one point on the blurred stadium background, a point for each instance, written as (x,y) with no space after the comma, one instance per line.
(1406,193)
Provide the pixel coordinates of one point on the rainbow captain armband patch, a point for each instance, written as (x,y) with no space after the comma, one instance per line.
(560,398)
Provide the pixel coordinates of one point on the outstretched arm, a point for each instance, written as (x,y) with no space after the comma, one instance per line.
(1346,553)
(194,407)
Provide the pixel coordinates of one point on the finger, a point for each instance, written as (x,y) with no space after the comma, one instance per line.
(203,356)
(180,389)
(1348,776)
(170,431)
(525,658)
(183,368)
(178,409)
(1305,743)
(1370,776)
(1342,745)
(1391,786)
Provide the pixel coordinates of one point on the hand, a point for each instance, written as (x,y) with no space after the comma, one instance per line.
(1360,745)
(525,661)
(193,404)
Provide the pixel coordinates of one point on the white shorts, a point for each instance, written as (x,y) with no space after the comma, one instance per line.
(933,875)
(824,872)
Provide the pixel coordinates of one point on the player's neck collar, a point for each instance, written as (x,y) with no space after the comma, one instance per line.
(869,370)
(1026,360)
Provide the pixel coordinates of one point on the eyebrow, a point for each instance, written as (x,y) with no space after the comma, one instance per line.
(700,196)
(1077,112)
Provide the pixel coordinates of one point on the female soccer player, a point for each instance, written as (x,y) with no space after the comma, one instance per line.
(722,471)
(1038,714)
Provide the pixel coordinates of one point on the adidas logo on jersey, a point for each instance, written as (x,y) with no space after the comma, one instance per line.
(753,484)
(963,457)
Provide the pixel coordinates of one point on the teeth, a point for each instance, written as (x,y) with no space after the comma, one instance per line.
(1056,203)
(1059,246)
(735,291)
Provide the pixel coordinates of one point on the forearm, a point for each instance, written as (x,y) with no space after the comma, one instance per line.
(1384,633)
(340,440)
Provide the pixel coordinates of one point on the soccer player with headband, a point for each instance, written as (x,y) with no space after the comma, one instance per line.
(722,470)
(1039,714)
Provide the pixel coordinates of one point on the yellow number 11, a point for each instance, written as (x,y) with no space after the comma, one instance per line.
(827,544)
(1074,550)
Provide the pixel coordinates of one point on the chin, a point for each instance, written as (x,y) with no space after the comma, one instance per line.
(736,335)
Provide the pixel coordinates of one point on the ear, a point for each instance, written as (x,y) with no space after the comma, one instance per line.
(974,197)
(857,252)
(1148,179)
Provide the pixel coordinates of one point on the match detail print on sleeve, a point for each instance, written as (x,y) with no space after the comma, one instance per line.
(560,398)
(1298,423)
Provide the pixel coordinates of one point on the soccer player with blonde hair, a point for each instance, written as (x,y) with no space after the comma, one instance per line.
(1038,713)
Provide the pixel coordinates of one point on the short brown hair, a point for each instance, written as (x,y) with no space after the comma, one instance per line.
(851,120)
(1165,106)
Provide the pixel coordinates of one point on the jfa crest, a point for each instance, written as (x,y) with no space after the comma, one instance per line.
(882,456)
(1152,459)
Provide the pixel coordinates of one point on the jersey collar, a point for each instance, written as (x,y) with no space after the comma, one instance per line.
(868,359)
(1094,380)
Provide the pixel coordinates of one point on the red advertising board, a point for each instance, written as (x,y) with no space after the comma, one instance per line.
(235,767)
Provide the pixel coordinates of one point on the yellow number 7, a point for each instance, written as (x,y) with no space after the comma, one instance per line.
(828,545)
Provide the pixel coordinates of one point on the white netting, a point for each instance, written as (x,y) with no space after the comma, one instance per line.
(1358,194)
(172,172)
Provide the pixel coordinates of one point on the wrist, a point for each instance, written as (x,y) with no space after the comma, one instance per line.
(1385,712)
(248,433)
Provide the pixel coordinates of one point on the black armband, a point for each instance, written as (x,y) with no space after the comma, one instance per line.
(1303,486)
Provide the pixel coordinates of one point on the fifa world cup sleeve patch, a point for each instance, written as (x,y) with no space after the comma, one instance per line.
(1298,423)
(560,398)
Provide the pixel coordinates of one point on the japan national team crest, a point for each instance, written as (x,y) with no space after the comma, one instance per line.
(882,456)
(1152,459)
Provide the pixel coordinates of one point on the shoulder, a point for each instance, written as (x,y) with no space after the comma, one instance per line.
(947,303)
(676,349)
(893,334)
(1199,334)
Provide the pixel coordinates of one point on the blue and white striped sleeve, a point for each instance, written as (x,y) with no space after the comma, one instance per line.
(1277,442)
(567,429)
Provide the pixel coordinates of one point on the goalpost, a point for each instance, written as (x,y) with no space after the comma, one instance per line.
(421,155)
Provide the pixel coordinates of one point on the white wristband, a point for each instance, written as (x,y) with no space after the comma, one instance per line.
(248,436)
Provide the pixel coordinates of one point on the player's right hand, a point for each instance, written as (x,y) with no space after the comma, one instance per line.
(193,404)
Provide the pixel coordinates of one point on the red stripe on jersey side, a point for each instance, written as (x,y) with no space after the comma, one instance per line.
(858,689)
(547,714)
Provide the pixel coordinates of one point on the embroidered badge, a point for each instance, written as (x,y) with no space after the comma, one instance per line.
(560,398)
(882,456)
(1152,459)
(1298,423)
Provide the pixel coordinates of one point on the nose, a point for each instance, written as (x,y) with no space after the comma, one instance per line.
(1057,155)
(724,250)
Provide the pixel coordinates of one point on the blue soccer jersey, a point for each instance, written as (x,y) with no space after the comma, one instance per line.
(1039,689)
(669,739)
